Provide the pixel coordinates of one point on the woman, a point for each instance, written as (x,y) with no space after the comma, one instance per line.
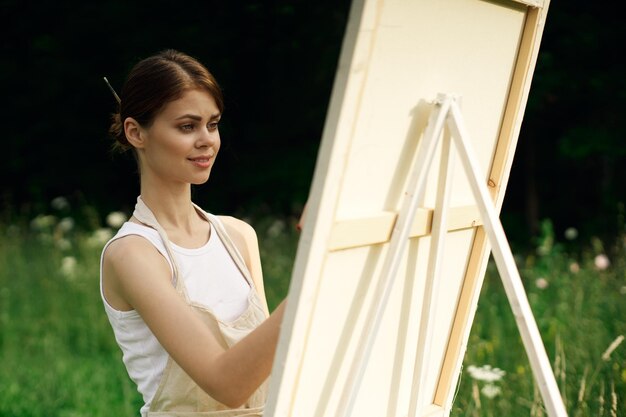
(182,288)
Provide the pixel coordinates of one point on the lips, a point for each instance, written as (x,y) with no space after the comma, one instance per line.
(201,161)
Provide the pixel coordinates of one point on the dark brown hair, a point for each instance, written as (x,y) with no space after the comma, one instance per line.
(156,81)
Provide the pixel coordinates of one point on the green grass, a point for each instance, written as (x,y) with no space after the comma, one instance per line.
(58,356)
(579,309)
(57,352)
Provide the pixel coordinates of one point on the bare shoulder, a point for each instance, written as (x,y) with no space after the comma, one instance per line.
(130,248)
(238,228)
(132,266)
(245,239)
(128,255)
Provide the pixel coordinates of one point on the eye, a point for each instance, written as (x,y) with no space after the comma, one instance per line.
(187,127)
(212,126)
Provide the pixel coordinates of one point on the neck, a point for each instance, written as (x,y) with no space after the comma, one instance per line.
(171,206)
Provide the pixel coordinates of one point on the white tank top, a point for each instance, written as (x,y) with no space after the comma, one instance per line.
(211,278)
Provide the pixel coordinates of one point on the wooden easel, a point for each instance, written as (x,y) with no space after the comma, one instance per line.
(447,114)
(395,56)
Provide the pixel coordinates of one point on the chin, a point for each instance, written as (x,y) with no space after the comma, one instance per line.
(200,180)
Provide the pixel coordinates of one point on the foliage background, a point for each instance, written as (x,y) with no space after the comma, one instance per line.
(276,62)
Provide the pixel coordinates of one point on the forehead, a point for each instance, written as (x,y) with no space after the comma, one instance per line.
(197,102)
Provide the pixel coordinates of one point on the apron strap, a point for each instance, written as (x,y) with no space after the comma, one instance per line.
(234,253)
(144,214)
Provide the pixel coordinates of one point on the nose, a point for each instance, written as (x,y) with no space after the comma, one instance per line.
(208,137)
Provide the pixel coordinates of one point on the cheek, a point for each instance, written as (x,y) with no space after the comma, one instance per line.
(218,143)
(177,145)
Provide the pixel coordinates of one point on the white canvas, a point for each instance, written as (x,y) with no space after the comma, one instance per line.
(397,56)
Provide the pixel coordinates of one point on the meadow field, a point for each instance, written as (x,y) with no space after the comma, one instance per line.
(58,357)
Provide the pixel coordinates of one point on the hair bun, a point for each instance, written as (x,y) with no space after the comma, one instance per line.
(116,130)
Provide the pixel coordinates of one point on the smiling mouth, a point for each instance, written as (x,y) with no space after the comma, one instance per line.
(201,162)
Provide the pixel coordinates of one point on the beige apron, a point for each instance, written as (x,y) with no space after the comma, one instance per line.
(178,395)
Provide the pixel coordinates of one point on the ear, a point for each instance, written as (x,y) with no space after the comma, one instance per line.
(134,133)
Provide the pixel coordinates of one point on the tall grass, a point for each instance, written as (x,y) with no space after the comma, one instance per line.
(58,356)
(57,352)
(579,304)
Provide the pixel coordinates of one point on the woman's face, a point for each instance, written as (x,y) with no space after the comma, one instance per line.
(182,142)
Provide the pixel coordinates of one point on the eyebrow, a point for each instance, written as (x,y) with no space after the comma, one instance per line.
(198,118)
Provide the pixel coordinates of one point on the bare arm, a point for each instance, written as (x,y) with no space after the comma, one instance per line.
(136,274)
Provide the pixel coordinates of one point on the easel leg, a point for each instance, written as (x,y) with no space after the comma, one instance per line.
(439,231)
(399,240)
(508,272)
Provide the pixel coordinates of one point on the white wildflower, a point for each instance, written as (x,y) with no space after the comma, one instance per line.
(574,267)
(491,390)
(276,228)
(100,237)
(60,203)
(601,262)
(116,219)
(66,224)
(571,233)
(543,250)
(541,283)
(623,290)
(485,373)
(42,222)
(68,266)
(63,244)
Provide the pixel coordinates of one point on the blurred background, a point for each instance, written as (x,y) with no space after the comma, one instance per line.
(276,62)
(63,192)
